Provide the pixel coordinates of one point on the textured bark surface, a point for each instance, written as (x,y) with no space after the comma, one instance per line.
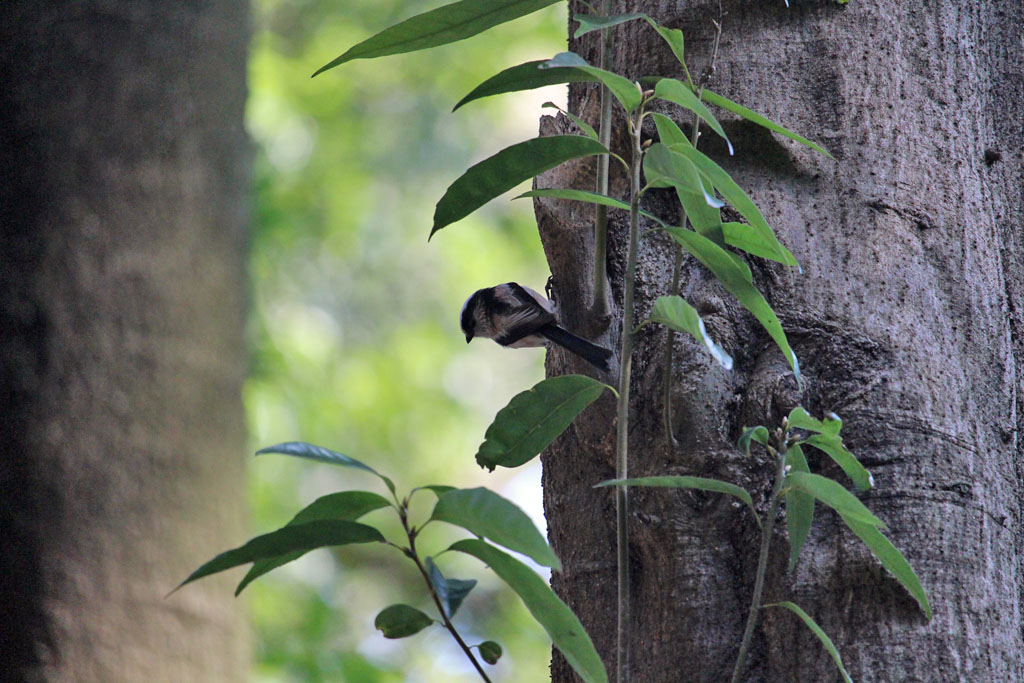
(122,231)
(908,320)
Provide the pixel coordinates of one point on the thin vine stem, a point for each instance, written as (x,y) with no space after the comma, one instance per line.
(677,266)
(762,565)
(414,556)
(599,308)
(622,436)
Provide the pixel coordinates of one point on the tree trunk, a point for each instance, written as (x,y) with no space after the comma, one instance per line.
(908,320)
(122,234)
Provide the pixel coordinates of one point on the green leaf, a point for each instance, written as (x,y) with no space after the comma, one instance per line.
(672,36)
(664,167)
(451,591)
(752,241)
(527,76)
(675,313)
(754,117)
(443,25)
(833,445)
(345,505)
(680,482)
(490,651)
(506,169)
(738,282)
(799,508)
(589,197)
(292,538)
(758,434)
(564,628)
(832,494)
(704,216)
(579,196)
(301,449)
(625,91)
(589,22)
(485,513)
(401,621)
(891,558)
(668,130)
(801,419)
(534,418)
(438,489)
(675,91)
(735,195)
(822,636)
(587,129)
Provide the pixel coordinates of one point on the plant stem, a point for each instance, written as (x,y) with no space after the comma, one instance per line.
(762,565)
(604,132)
(677,267)
(414,556)
(622,437)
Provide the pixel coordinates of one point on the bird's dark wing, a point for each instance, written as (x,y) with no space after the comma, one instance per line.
(523,317)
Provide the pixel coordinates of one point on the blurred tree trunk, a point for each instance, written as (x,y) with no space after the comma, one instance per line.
(908,319)
(122,239)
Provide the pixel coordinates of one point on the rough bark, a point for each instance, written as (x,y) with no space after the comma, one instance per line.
(124,171)
(907,320)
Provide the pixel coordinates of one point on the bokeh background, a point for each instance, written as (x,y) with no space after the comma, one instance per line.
(354,323)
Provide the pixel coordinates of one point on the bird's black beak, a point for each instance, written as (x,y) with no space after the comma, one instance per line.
(469,337)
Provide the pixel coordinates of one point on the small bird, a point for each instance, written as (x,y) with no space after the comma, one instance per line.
(517,317)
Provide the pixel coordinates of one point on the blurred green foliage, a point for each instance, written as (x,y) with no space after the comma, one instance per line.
(354,322)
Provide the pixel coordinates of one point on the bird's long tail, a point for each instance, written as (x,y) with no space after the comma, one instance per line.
(592,353)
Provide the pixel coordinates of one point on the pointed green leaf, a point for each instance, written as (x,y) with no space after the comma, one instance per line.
(564,628)
(704,216)
(438,490)
(299,537)
(345,505)
(832,494)
(490,651)
(754,117)
(401,621)
(891,558)
(758,434)
(301,449)
(672,36)
(451,591)
(735,195)
(589,197)
(589,22)
(526,76)
(799,508)
(752,241)
(681,482)
(833,445)
(669,132)
(801,419)
(534,418)
(822,636)
(625,91)
(675,313)
(440,26)
(587,129)
(675,91)
(665,168)
(485,513)
(579,196)
(506,169)
(737,280)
